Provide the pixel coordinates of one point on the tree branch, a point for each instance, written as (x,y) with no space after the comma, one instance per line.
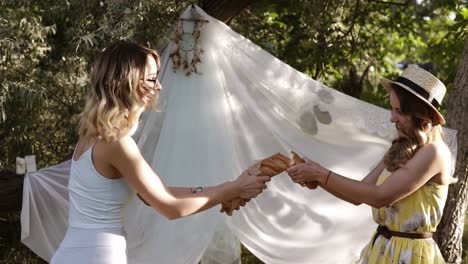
(391,3)
(224,10)
(353,21)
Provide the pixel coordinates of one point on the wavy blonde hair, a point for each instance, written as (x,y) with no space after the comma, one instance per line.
(422,129)
(118,91)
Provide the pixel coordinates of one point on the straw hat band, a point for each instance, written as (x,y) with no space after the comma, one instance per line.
(419,90)
(421,84)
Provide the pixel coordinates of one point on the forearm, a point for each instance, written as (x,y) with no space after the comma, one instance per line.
(183,191)
(178,192)
(187,203)
(361,192)
(371,178)
(340,195)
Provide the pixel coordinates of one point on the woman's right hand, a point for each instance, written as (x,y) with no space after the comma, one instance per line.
(250,185)
(307,172)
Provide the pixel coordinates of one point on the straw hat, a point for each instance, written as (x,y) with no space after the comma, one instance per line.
(422,84)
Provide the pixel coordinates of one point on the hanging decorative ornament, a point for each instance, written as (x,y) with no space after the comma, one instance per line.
(187,42)
(187,50)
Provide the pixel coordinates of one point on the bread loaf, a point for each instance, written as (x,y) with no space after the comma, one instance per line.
(274,165)
(270,166)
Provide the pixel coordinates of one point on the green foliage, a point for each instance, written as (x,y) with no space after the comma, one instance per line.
(47,47)
(46,51)
(350,45)
(23,46)
(247,257)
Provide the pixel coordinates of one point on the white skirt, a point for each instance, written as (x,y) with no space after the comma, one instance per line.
(93,246)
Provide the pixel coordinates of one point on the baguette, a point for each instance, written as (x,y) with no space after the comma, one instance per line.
(270,166)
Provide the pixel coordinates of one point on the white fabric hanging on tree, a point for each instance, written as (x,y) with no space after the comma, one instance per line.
(244,105)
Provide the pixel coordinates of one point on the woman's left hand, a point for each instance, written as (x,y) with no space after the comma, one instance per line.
(233,205)
(307,172)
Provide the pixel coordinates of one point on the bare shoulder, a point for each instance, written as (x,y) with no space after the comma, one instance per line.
(124,146)
(445,157)
(440,150)
(428,153)
(438,159)
(435,150)
(125,157)
(430,159)
(112,151)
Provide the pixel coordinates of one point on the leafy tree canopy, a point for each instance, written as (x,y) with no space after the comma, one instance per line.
(47,47)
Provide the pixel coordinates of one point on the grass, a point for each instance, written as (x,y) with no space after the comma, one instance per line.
(12,251)
(247,257)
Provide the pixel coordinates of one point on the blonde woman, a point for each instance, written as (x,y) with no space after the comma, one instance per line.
(408,188)
(107,163)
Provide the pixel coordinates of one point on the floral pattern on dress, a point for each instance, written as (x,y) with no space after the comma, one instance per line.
(419,212)
(391,214)
(413,223)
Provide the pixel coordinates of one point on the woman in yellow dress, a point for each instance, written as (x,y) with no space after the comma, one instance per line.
(408,188)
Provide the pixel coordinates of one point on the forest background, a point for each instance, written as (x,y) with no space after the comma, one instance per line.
(47,47)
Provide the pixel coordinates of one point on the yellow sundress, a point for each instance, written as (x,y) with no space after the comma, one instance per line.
(419,212)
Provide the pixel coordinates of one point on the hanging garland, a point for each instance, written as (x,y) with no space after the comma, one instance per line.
(187,42)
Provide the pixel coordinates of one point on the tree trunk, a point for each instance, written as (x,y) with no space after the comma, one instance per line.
(450,230)
(224,10)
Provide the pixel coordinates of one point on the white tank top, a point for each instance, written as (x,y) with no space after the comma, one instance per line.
(95,201)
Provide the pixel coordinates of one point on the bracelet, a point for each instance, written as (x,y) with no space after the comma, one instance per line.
(198,189)
(328,176)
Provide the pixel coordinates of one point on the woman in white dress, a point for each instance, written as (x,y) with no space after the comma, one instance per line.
(107,163)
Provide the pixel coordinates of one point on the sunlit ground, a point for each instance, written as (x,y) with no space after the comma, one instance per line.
(13,252)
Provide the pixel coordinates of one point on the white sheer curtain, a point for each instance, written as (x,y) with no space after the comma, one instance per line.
(244,105)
